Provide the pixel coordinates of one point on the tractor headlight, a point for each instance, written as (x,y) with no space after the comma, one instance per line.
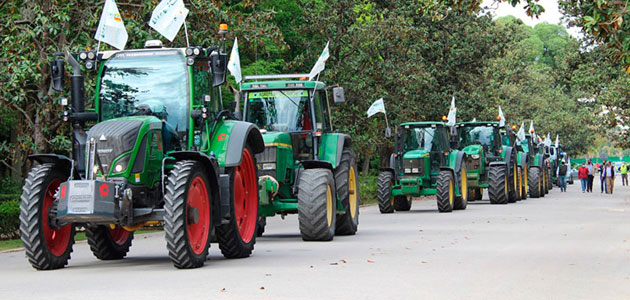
(121,164)
(269,166)
(415,170)
(407,170)
(475,156)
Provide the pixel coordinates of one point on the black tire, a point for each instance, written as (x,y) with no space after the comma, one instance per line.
(461,201)
(402,203)
(524,182)
(545,186)
(317,205)
(231,243)
(108,244)
(347,223)
(480,194)
(445,191)
(262,222)
(181,250)
(498,185)
(534,182)
(512,182)
(384,193)
(38,188)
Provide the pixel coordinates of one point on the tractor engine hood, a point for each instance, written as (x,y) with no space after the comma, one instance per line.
(117,137)
(473,149)
(415,154)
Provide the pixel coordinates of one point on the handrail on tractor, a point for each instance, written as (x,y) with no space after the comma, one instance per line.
(273,76)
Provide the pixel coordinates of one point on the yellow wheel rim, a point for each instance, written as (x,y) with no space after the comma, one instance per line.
(526,185)
(464,187)
(352,192)
(515,178)
(505,189)
(329,206)
(451,193)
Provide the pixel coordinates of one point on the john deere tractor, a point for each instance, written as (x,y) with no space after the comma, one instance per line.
(306,168)
(537,170)
(161,149)
(509,139)
(490,165)
(423,163)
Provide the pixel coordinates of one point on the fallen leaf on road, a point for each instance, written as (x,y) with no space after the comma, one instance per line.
(222,290)
(333,264)
(370,261)
(466,238)
(343,261)
(267,274)
(424,262)
(262,287)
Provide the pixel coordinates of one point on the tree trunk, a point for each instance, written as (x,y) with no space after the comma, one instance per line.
(366,165)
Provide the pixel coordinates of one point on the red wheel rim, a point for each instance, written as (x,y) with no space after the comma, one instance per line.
(245,197)
(119,235)
(56,239)
(198,200)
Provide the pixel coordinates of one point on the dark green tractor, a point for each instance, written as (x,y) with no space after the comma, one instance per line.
(161,150)
(423,163)
(307,167)
(537,171)
(491,165)
(509,139)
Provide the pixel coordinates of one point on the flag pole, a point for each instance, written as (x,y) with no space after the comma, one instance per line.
(98,47)
(186,31)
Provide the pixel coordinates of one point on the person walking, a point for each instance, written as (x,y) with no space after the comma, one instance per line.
(561,173)
(624,174)
(591,175)
(583,177)
(610,178)
(602,176)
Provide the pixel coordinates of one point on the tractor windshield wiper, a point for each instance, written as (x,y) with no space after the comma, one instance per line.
(281,92)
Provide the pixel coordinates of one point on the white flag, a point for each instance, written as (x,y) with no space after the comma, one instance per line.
(502,118)
(320,64)
(548,140)
(111,29)
(452,112)
(557,141)
(474,120)
(234,64)
(521,132)
(168,17)
(377,107)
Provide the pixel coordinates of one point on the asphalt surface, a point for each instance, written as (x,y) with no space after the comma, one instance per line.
(563,246)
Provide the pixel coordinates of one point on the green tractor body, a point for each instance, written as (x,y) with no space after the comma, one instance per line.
(491,165)
(538,167)
(306,167)
(509,139)
(423,163)
(162,149)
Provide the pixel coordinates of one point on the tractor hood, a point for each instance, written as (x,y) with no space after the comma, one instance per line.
(119,136)
(473,149)
(276,138)
(415,154)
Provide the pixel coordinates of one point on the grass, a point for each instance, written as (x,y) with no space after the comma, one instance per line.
(80,236)
(367,189)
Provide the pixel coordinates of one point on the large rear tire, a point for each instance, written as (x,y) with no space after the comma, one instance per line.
(498,185)
(384,193)
(262,222)
(524,182)
(46,247)
(512,182)
(445,191)
(402,202)
(347,183)
(317,205)
(187,215)
(534,182)
(237,238)
(107,243)
(461,201)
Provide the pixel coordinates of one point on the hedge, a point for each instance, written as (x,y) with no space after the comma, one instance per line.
(9,219)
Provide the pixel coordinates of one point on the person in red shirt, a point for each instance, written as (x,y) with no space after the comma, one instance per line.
(583,176)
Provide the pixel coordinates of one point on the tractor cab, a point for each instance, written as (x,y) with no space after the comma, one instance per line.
(422,146)
(476,138)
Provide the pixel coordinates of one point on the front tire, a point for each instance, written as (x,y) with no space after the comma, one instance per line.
(317,205)
(534,182)
(262,222)
(402,203)
(187,223)
(445,191)
(107,243)
(462,201)
(498,185)
(46,247)
(347,183)
(237,238)
(384,193)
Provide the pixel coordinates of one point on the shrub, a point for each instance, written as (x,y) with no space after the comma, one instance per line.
(9,219)
(367,188)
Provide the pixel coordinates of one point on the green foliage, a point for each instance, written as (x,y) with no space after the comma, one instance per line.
(9,219)
(368,185)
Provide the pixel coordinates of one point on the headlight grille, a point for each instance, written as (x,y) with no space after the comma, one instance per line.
(414,166)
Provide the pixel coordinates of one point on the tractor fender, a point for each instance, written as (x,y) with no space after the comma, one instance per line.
(510,157)
(60,161)
(459,160)
(524,160)
(242,133)
(498,163)
(317,164)
(447,168)
(218,184)
(343,141)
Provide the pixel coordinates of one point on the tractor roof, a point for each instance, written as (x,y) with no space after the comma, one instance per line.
(478,123)
(280,81)
(421,124)
(109,53)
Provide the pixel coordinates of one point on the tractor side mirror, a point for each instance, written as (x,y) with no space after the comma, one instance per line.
(340,97)
(58,72)
(388,132)
(219,65)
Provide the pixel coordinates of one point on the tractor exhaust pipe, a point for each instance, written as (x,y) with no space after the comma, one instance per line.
(77,85)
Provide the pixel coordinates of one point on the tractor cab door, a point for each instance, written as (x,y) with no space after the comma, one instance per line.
(439,145)
(302,140)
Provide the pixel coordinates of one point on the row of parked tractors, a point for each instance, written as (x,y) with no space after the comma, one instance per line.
(158,147)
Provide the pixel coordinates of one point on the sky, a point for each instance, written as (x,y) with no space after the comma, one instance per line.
(551,15)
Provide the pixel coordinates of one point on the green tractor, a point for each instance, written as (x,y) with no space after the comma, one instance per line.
(306,168)
(161,150)
(423,163)
(509,139)
(537,170)
(491,165)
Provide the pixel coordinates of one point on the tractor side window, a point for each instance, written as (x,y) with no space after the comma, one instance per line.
(322,113)
(202,79)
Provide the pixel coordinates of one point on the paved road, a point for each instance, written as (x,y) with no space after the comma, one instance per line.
(564,246)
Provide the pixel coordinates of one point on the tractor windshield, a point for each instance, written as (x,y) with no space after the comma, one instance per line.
(420,138)
(146,83)
(477,135)
(280,110)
